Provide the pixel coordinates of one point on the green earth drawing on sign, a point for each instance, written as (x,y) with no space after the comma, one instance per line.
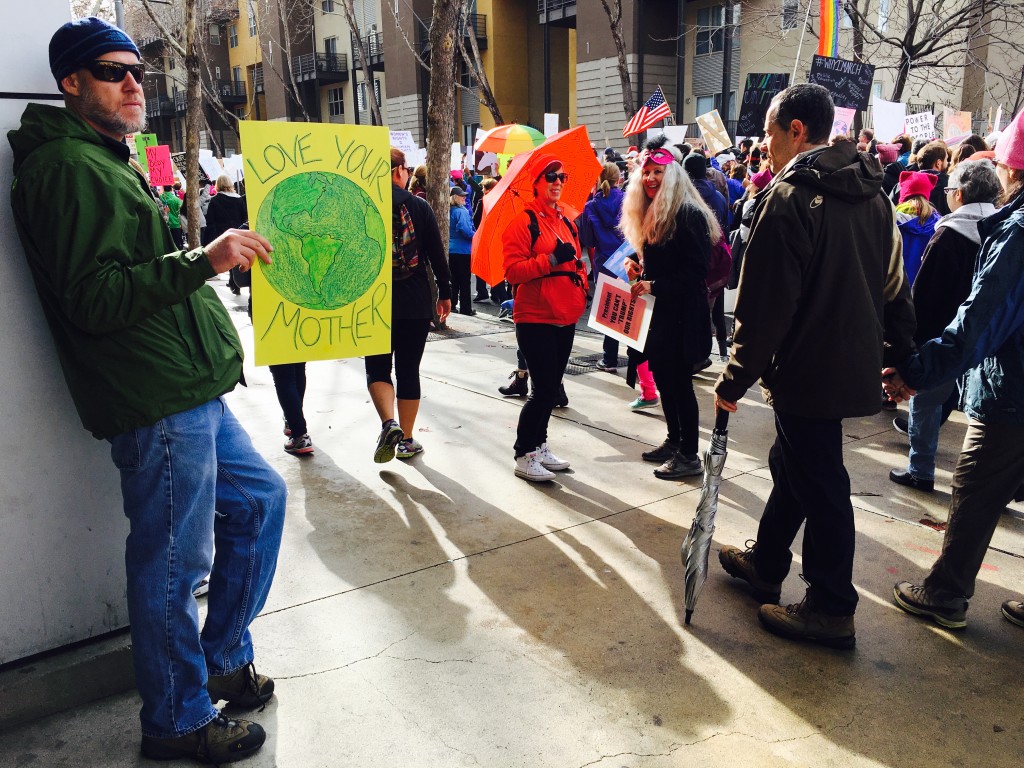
(329,240)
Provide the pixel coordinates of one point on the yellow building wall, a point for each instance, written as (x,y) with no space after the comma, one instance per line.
(572,78)
(246,54)
(506,59)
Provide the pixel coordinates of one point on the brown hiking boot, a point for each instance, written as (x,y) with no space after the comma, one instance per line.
(801,622)
(242,689)
(219,741)
(740,564)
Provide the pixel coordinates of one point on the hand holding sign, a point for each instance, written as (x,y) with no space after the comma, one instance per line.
(238,248)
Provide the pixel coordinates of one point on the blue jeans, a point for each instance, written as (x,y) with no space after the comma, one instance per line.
(191,480)
(923,427)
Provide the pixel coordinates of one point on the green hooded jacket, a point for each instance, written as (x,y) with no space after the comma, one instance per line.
(138,332)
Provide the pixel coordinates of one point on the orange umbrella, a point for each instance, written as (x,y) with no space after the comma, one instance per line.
(511,195)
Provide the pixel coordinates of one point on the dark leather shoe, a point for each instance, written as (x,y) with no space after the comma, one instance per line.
(801,621)
(678,467)
(219,741)
(242,689)
(902,477)
(662,453)
(563,399)
(739,563)
(518,387)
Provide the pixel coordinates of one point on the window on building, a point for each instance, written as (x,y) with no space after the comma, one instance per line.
(790,13)
(216,73)
(335,102)
(327,6)
(714,101)
(178,135)
(710,30)
(883,15)
(214,34)
(233,36)
(331,46)
(171,62)
(252,18)
(236,74)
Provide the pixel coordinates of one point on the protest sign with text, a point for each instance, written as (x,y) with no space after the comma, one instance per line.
(919,126)
(849,82)
(713,130)
(161,169)
(758,93)
(321,194)
(614,312)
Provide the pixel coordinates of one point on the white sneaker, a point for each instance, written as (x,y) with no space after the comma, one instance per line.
(549,461)
(529,468)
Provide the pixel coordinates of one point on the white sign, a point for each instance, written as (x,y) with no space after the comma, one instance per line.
(210,165)
(995,128)
(889,118)
(714,132)
(403,140)
(456,159)
(234,167)
(676,133)
(614,312)
(550,124)
(488,160)
(842,120)
(920,126)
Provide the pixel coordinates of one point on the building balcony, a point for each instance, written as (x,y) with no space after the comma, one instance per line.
(559,13)
(230,91)
(476,25)
(159,106)
(322,67)
(257,78)
(374,46)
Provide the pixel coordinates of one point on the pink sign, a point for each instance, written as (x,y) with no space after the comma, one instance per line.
(614,312)
(161,169)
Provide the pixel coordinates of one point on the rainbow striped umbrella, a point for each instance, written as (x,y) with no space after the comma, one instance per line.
(511,139)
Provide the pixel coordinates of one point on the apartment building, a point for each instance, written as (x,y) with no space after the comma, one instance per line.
(302,59)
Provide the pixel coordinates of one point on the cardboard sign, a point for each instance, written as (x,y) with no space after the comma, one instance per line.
(890,118)
(143,140)
(161,169)
(842,121)
(919,126)
(614,312)
(758,93)
(955,124)
(848,81)
(713,129)
(321,194)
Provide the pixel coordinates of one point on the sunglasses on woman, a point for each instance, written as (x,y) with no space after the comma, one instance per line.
(115,71)
(552,176)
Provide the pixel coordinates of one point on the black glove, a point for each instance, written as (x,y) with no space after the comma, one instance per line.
(564,252)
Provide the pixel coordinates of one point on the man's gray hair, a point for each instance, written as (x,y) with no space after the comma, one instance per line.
(976,180)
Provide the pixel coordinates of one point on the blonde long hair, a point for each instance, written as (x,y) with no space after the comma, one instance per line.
(645,221)
(609,178)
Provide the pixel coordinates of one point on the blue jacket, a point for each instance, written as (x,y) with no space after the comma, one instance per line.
(460,230)
(604,213)
(915,239)
(736,191)
(986,338)
(715,200)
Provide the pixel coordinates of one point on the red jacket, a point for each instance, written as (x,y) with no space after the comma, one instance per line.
(538,297)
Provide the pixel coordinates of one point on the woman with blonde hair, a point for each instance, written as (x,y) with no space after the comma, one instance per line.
(418,184)
(916,217)
(672,230)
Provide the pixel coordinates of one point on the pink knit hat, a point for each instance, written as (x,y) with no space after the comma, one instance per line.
(761,179)
(887,153)
(1010,147)
(916,183)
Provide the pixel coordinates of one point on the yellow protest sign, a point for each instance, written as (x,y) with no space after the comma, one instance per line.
(713,129)
(321,194)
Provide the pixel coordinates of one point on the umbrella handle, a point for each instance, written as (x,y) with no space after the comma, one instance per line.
(722,421)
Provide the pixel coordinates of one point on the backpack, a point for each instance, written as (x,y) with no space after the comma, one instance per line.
(719,268)
(405,254)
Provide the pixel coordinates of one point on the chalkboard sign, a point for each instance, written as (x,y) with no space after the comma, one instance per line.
(758,93)
(848,81)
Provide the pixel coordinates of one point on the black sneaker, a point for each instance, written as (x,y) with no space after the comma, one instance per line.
(948,612)
(387,441)
(563,399)
(219,741)
(678,467)
(701,366)
(903,477)
(901,425)
(242,689)
(1013,611)
(299,445)
(739,563)
(662,453)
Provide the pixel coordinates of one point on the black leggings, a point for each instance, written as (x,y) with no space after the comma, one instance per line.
(408,338)
(290,385)
(718,320)
(546,349)
(462,292)
(678,402)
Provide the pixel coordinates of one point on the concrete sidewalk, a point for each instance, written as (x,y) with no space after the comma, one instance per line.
(441,612)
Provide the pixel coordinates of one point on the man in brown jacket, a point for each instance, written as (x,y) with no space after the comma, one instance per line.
(821,292)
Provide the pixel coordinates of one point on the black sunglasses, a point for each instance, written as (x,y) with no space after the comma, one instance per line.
(551,176)
(115,71)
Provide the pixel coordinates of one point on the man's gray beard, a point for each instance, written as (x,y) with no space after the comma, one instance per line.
(112,122)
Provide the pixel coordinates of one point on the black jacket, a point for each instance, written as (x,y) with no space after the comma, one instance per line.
(680,331)
(822,289)
(224,212)
(410,298)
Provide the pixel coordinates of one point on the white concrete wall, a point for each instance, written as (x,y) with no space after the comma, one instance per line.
(61,526)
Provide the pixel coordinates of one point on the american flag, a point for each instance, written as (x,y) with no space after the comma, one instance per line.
(653,111)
